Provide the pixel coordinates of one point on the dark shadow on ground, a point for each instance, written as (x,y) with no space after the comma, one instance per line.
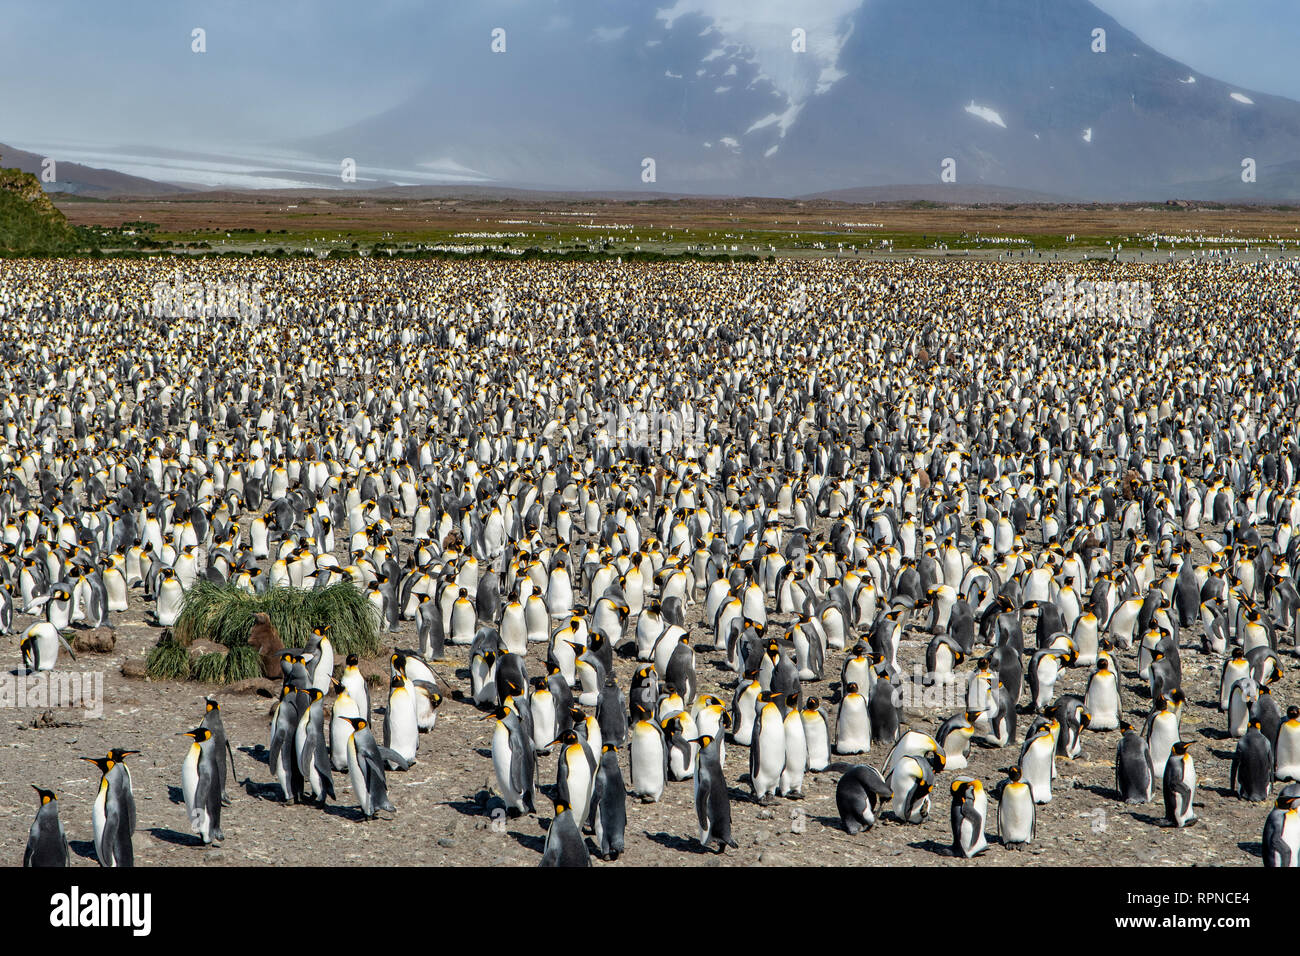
(175,837)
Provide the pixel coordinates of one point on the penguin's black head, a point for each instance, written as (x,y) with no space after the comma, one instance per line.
(210,704)
(46,796)
(117,755)
(358,723)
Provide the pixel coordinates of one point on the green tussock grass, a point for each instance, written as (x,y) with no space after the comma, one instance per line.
(225,615)
(168,661)
(210,669)
(241,664)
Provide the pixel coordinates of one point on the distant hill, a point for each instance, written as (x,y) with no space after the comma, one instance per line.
(1272,182)
(1009,90)
(947,194)
(29,223)
(88,181)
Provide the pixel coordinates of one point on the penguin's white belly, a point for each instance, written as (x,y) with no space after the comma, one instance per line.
(853,734)
(1103,704)
(771,754)
(501,763)
(404,733)
(170,598)
(190,781)
(647,768)
(1048,671)
(1288,754)
(819,746)
(1016,816)
(796,756)
(1164,734)
(357,776)
(98,817)
(1037,769)
(1291,836)
(581,782)
(744,732)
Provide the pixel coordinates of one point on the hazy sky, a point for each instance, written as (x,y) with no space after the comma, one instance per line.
(1252,43)
(84,74)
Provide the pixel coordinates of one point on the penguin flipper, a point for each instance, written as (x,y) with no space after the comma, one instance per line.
(128,801)
(392,757)
(377,782)
(210,787)
(66,646)
(117,840)
(231,753)
(520,777)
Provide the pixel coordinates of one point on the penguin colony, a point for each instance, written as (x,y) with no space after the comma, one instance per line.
(859,483)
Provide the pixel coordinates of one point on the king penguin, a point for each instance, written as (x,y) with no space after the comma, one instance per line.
(970,808)
(47,844)
(366,770)
(1017,813)
(609,805)
(1134,773)
(767,749)
(712,799)
(1251,775)
(1281,840)
(1180,787)
(113,812)
(212,721)
(201,780)
(515,762)
(564,843)
(857,793)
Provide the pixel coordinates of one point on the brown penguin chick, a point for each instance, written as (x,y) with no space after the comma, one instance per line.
(265,639)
